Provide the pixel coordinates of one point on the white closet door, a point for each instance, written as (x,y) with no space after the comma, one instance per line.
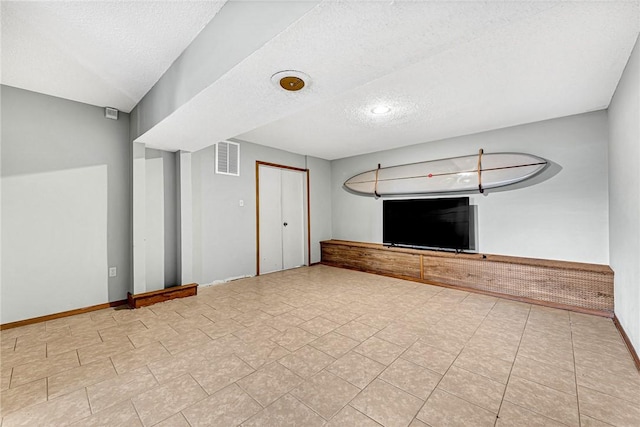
(293,223)
(270,193)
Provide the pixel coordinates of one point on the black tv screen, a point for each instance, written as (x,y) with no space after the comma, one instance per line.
(428,223)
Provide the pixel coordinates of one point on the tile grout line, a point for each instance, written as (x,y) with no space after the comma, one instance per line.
(415,416)
(154,376)
(86,396)
(200,400)
(361,390)
(575,369)
(576,379)
(11,378)
(400,356)
(452,363)
(89,399)
(609,395)
(504,393)
(545,385)
(538,413)
(534,382)
(183,416)
(135,409)
(309,407)
(396,318)
(360,412)
(250,397)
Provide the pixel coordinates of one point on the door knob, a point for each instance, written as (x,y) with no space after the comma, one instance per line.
(285,224)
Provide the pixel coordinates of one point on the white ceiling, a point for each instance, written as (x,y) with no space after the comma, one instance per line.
(445,68)
(549,61)
(97,52)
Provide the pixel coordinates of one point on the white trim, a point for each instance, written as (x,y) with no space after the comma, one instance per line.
(223,281)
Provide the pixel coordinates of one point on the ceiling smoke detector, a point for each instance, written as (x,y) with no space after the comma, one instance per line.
(290,80)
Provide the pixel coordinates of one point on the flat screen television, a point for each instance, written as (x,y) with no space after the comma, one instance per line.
(445,224)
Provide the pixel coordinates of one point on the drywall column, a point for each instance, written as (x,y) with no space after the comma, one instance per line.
(139,219)
(155,223)
(185,218)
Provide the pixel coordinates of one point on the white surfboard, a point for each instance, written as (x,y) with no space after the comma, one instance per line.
(456,174)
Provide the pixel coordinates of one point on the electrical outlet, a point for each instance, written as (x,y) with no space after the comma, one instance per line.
(113,272)
(241,203)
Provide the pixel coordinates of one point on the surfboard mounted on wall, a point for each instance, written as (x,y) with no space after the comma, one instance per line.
(456,174)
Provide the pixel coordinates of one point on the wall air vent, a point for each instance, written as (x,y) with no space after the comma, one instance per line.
(111,113)
(228,158)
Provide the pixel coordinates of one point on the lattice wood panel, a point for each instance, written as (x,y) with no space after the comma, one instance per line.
(559,283)
(580,288)
(381,262)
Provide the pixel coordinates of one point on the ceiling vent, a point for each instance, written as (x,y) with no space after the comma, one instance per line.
(290,80)
(228,158)
(111,113)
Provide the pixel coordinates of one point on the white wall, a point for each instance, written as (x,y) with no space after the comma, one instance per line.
(563,218)
(224,233)
(66,203)
(624,197)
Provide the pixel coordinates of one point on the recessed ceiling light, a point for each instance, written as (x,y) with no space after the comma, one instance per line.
(380,110)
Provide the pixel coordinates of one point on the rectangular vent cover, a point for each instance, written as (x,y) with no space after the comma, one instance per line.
(111,113)
(228,158)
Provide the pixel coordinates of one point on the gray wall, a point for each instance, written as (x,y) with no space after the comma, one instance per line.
(48,137)
(320,191)
(169,183)
(564,217)
(224,233)
(624,197)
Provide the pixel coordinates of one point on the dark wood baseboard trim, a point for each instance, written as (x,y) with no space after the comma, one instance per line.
(600,313)
(53,316)
(153,297)
(627,341)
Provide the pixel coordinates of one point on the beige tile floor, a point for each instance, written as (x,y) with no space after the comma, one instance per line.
(321,346)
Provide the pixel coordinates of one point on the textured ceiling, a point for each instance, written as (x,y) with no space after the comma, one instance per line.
(562,61)
(445,68)
(100,53)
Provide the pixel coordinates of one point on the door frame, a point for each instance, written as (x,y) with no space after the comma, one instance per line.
(275,165)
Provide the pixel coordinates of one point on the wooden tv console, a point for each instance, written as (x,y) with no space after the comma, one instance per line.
(586,288)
